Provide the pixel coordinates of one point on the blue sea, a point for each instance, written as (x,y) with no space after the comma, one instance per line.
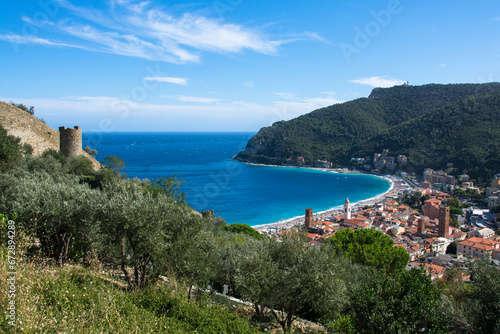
(237,192)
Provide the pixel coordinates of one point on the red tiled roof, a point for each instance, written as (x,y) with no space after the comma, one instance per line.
(467,243)
(458,234)
(434,269)
(484,241)
(312,235)
(433,200)
(483,247)
(319,222)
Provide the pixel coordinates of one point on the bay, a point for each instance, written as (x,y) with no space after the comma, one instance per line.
(237,192)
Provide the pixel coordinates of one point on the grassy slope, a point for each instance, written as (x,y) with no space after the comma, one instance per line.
(77,300)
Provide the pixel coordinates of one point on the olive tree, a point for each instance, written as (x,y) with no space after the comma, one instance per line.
(55,207)
(232,251)
(369,247)
(405,302)
(138,229)
(484,303)
(293,279)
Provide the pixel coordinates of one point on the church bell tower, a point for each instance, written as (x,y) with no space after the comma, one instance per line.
(347,209)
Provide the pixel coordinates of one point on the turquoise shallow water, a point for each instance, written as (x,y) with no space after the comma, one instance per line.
(237,192)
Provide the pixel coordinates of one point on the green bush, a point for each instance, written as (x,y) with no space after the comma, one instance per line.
(80,166)
(10,150)
(244,229)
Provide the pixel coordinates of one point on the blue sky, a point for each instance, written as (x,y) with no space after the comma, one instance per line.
(231,65)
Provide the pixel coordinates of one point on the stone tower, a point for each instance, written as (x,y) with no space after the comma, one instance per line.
(70,143)
(309,218)
(421,226)
(347,209)
(444,222)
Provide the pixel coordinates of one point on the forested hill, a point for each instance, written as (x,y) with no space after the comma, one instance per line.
(431,124)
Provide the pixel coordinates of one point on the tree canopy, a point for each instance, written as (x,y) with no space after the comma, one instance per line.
(244,229)
(293,280)
(10,150)
(369,247)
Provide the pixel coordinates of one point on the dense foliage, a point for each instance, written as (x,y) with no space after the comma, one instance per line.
(431,125)
(293,280)
(146,234)
(371,248)
(11,150)
(405,303)
(242,228)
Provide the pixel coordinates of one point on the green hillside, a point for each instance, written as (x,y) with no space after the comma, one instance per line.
(431,124)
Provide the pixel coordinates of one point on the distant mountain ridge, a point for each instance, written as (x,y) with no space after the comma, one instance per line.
(431,124)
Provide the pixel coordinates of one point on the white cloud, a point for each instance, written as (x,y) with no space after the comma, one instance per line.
(18,39)
(105,113)
(38,22)
(296,106)
(139,29)
(248,84)
(286,95)
(305,105)
(196,99)
(383,82)
(204,34)
(177,81)
(497,18)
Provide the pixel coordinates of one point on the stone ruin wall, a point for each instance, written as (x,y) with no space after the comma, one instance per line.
(40,136)
(31,130)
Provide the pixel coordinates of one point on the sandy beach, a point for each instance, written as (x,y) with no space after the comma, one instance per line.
(397,186)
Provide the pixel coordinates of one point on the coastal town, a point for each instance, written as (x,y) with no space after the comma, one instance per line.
(435,217)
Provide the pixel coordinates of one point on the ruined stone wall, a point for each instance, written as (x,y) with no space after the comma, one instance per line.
(40,136)
(31,130)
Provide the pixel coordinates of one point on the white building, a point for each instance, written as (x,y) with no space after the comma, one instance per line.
(347,209)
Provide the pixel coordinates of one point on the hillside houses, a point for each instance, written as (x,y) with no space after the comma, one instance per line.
(425,236)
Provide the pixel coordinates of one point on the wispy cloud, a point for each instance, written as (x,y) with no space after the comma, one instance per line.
(296,106)
(286,95)
(497,18)
(37,23)
(248,84)
(20,39)
(196,99)
(141,29)
(125,114)
(383,82)
(174,80)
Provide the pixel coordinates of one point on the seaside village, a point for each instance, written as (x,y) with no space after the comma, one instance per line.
(425,234)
